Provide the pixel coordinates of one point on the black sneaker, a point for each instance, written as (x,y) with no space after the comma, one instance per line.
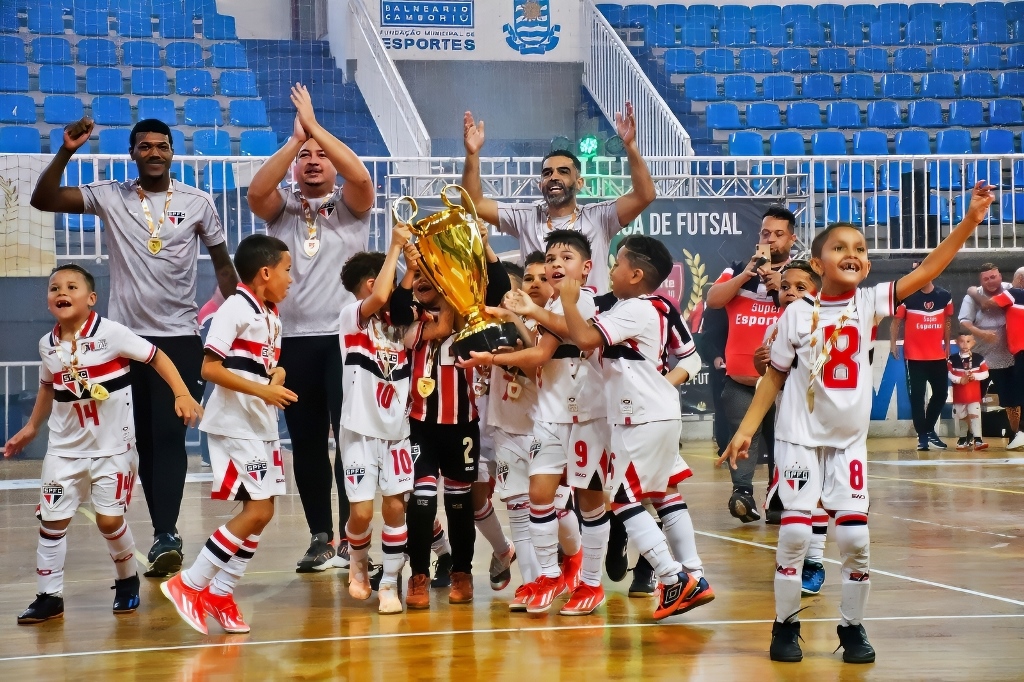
(442,571)
(126,594)
(743,506)
(165,556)
(644,582)
(616,563)
(785,646)
(376,572)
(855,645)
(935,441)
(45,607)
(320,556)
(963,443)
(922,443)
(773,517)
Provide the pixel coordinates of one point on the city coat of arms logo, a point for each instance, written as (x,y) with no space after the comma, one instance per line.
(531,31)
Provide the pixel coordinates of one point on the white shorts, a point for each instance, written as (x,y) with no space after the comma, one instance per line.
(513,473)
(969,411)
(838,477)
(581,450)
(645,457)
(488,464)
(68,482)
(255,465)
(372,463)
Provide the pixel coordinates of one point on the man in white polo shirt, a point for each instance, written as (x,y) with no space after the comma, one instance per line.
(560,181)
(152,228)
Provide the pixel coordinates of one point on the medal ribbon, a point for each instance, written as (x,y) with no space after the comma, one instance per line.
(71,366)
(572,220)
(154,229)
(311,225)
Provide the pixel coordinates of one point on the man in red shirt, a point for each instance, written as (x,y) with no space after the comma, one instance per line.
(925,349)
(1013,301)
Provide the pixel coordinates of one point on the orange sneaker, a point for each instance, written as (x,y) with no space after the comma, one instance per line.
(359,580)
(544,592)
(225,611)
(583,601)
(188,602)
(417,596)
(571,568)
(683,596)
(522,598)
(462,588)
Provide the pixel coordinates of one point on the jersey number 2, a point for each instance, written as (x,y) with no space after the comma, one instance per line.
(840,372)
(87,413)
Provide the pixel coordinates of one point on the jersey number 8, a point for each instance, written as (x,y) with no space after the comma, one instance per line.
(841,370)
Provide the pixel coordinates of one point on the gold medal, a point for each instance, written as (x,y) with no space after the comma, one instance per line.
(154,244)
(514,390)
(98,392)
(810,398)
(311,246)
(425,386)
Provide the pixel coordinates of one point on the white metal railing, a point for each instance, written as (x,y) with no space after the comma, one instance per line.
(18,378)
(612,76)
(384,90)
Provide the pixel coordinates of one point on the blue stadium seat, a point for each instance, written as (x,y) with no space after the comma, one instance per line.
(680,60)
(966,112)
(828,14)
(657,35)
(90,5)
(842,208)
(1005,112)
(177,26)
(217,176)
(948,58)
(734,34)
(132,25)
(19,140)
(938,86)
(613,13)
(872,59)
(778,88)
(97,52)
(993,31)
(756,59)
(992,11)
(958,33)
(91,22)
(8,18)
(910,60)
(257,143)
(830,143)
(879,209)
(13,78)
(885,33)
(114,141)
(46,19)
(939,205)
(158,108)
(723,116)
(249,113)
(770,35)
(703,13)
(885,114)
(185,173)
(736,13)
(17,109)
(870,143)
(697,34)
(702,88)
(761,15)
(634,16)
(949,174)
(200,8)
(795,60)
(896,12)
(922,31)
(55,79)
(817,86)
(847,33)
(121,171)
(149,82)
(931,10)
(184,55)
(140,53)
(834,60)
(764,115)
(49,50)
(984,58)
(1011,84)
(857,176)
(857,86)
(1011,206)
(202,112)
(996,141)
(976,84)
(103,80)
(925,113)
(193,82)
(12,50)
(62,109)
(807,32)
(78,173)
(718,60)
(789,143)
(243,84)
(1015,56)
(178,140)
(865,14)
(1014,11)
(219,27)
(162,8)
(897,86)
(794,13)
(737,88)
(912,143)
(674,14)
(843,115)
(804,116)
(745,143)
(959,12)
(111,111)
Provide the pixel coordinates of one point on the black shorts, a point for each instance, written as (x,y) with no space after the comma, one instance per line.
(1006,383)
(449,450)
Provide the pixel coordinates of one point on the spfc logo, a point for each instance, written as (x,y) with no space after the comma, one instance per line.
(502,473)
(354,475)
(531,31)
(256,470)
(175,217)
(929,305)
(327,209)
(796,478)
(52,494)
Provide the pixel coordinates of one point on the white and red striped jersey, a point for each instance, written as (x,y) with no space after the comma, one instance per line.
(973,365)
(375,398)
(452,400)
(513,410)
(81,426)
(640,335)
(843,388)
(246,334)
(568,385)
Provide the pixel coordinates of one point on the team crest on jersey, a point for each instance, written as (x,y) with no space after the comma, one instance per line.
(796,477)
(175,217)
(534,448)
(68,379)
(929,305)
(502,473)
(327,209)
(87,346)
(257,470)
(354,475)
(52,494)
(414,450)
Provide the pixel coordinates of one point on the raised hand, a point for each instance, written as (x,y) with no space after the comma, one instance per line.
(299,133)
(412,255)
(625,124)
(981,199)
(472,134)
(304,107)
(519,302)
(400,236)
(76,134)
(570,291)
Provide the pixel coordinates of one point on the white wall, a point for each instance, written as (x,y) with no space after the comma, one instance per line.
(267,19)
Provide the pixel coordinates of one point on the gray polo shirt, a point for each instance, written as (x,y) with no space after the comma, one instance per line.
(154,295)
(599,222)
(997,355)
(316,296)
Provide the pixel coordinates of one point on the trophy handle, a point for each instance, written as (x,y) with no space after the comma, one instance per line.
(467,201)
(403,200)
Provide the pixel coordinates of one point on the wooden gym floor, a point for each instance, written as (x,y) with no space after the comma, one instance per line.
(946,603)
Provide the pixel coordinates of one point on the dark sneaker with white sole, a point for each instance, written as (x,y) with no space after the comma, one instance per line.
(320,556)
(165,556)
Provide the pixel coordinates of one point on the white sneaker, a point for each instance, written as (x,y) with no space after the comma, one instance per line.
(390,602)
(1017,443)
(359,580)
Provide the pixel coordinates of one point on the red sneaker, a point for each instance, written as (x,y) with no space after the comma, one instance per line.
(188,602)
(583,601)
(522,599)
(571,568)
(225,611)
(545,591)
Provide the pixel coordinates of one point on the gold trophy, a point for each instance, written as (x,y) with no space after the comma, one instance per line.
(453,260)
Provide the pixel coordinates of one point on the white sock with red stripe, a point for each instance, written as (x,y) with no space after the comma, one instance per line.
(226,580)
(678,528)
(215,555)
(359,545)
(819,530)
(794,537)
(519,527)
(596,529)
(853,541)
(489,526)
(569,532)
(440,544)
(650,541)
(544,535)
(50,554)
(394,539)
(121,546)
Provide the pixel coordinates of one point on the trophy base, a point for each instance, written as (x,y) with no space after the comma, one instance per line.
(490,339)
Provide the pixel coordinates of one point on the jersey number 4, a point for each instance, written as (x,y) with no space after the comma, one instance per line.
(841,370)
(87,412)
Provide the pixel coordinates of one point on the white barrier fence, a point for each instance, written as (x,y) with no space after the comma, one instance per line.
(20,384)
